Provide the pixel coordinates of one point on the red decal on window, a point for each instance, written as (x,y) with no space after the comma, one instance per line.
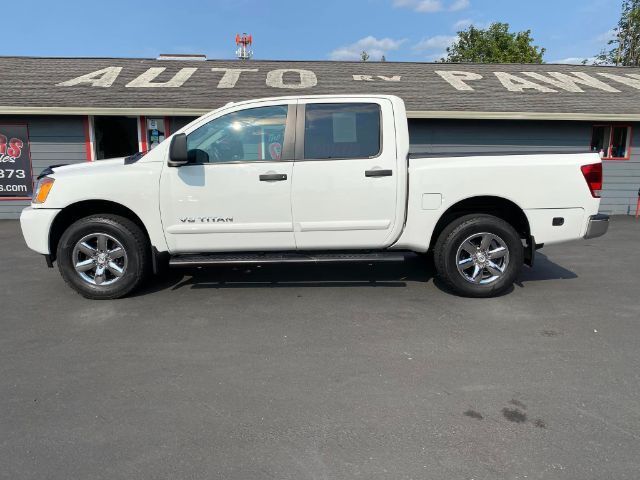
(275,149)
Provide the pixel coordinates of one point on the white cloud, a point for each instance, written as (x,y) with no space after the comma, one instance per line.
(439,42)
(606,36)
(432,6)
(429,6)
(434,48)
(462,24)
(575,60)
(376,48)
(467,22)
(424,6)
(459,5)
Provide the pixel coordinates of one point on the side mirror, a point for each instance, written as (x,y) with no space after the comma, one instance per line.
(178,151)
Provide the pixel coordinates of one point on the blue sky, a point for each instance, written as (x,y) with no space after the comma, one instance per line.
(403,30)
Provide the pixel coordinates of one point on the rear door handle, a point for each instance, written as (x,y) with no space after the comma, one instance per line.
(378,173)
(273,177)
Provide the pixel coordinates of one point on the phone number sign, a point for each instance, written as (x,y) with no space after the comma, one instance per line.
(15,162)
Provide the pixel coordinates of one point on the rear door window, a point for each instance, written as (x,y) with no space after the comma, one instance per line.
(342,131)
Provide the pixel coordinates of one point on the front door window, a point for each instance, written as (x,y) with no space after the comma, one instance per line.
(253,135)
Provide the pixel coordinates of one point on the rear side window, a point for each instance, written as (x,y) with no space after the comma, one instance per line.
(342,130)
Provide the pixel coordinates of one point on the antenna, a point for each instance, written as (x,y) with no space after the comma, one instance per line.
(243,42)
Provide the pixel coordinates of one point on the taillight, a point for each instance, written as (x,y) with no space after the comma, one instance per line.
(593,175)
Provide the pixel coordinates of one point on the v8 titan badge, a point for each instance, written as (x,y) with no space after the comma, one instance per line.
(15,162)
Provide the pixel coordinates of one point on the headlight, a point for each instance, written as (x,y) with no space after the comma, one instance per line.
(43,187)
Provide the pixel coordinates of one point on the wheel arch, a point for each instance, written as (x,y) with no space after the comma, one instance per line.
(500,207)
(75,211)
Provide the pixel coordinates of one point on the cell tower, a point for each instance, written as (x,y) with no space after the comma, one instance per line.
(243,42)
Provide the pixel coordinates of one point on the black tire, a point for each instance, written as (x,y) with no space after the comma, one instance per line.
(450,241)
(131,238)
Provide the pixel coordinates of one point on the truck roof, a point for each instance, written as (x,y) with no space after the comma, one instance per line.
(310,97)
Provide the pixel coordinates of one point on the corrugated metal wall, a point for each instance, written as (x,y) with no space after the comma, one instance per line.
(52,140)
(622,181)
(61,139)
(621,178)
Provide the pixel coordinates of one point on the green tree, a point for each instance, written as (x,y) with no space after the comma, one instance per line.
(495,44)
(624,48)
(364,56)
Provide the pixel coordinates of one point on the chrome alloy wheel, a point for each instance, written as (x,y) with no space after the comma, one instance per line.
(99,259)
(482,258)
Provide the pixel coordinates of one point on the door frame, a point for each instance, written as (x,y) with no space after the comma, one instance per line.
(286,159)
(388,115)
(90,134)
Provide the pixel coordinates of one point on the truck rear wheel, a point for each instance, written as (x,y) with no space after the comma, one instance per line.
(479,255)
(103,256)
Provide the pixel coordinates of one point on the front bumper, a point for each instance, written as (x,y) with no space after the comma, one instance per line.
(36,225)
(598,226)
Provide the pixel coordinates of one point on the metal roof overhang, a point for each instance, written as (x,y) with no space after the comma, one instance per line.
(433,114)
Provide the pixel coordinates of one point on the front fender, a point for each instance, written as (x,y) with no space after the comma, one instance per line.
(134,187)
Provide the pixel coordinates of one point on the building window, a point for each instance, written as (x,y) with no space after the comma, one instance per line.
(155,132)
(612,142)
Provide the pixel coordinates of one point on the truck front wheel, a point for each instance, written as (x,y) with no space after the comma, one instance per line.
(103,256)
(479,255)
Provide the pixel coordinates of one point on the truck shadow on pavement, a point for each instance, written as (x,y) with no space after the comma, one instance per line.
(544,269)
(416,268)
(309,275)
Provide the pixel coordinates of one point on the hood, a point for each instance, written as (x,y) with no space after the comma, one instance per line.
(85,168)
(112,164)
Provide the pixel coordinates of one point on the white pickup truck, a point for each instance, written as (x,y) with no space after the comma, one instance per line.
(308,179)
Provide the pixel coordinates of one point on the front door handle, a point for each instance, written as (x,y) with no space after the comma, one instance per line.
(378,173)
(273,177)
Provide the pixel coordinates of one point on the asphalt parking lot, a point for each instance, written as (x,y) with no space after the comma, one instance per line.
(369,372)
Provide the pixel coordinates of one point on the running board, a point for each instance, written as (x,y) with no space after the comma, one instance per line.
(200,259)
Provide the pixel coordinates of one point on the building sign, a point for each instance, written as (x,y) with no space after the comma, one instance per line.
(15,162)
(296,79)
